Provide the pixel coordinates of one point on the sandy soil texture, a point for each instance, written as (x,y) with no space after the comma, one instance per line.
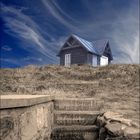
(116,85)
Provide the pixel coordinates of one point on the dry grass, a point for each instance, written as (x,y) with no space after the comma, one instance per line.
(116,85)
(85,80)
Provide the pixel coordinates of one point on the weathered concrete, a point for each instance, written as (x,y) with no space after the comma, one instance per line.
(78,104)
(26,117)
(75,132)
(11,101)
(41,117)
(75,117)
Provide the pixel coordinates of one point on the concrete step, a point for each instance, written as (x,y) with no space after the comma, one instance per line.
(74,128)
(78,104)
(75,117)
(74,132)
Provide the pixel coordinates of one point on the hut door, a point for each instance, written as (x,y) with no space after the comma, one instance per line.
(104,61)
(67,59)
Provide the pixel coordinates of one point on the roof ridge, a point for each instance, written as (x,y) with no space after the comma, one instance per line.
(87,44)
(88,40)
(96,46)
(81,37)
(101,39)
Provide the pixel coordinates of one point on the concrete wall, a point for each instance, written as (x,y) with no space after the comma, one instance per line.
(39,117)
(78,104)
(26,117)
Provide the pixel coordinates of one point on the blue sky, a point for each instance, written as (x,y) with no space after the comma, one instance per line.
(32,31)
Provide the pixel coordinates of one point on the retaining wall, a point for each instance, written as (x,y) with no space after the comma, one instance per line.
(26,117)
(41,117)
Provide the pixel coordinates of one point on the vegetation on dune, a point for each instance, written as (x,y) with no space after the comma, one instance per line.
(85,80)
(116,85)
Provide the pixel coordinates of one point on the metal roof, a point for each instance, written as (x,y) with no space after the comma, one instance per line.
(100,45)
(96,47)
(88,45)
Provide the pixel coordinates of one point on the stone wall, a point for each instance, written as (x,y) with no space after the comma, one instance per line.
(41,117)
(27,117)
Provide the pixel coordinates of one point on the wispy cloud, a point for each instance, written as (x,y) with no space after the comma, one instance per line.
(122,30)
(58,13)
(121,27)
(126,36)
(6,48)
(10,61)
(29,58)
(128,51)
(22,26)
(21,61)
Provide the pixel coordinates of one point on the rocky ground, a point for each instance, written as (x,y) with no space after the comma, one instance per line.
(116,85)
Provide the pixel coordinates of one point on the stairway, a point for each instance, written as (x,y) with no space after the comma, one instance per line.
(74,119)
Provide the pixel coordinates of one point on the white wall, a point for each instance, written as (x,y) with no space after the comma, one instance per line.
(103,61)
(94,60)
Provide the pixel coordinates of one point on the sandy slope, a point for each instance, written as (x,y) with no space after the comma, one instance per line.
(116,85)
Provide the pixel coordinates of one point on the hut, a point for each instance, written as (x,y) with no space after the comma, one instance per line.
(77,50)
